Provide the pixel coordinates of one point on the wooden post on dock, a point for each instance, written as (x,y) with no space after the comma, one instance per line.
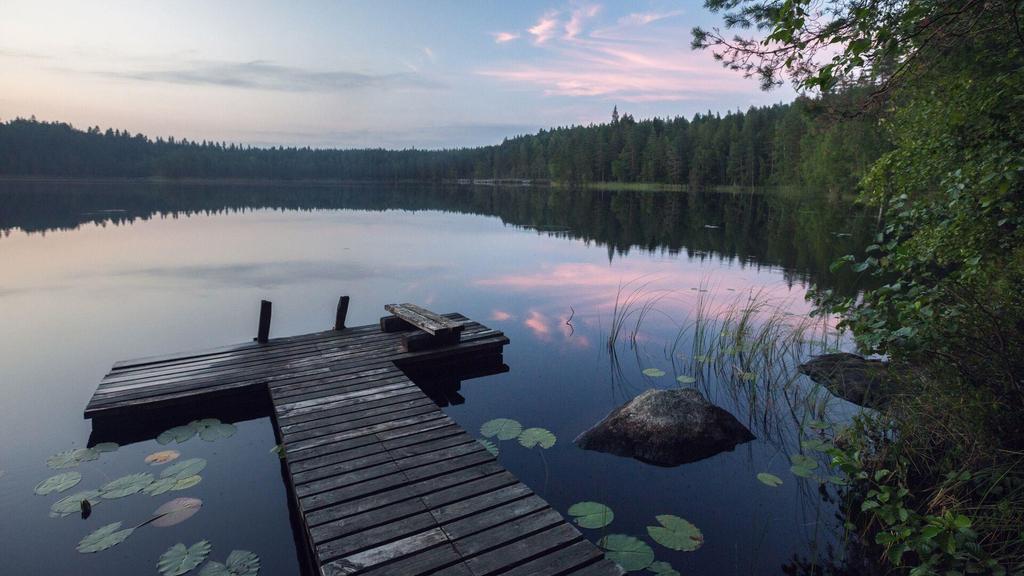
(339,317)
(264,330)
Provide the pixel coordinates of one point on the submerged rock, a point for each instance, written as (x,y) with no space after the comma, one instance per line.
(850,377)
(666,428)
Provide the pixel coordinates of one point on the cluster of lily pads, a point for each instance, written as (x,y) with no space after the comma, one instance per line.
(180,559)
(181,475)
(509,429)
(630,552)
(805,466)
(688,379)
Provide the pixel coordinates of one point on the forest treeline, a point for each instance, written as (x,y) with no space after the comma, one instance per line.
(785,144)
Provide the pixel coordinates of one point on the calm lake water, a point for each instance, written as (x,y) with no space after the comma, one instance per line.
(92,273)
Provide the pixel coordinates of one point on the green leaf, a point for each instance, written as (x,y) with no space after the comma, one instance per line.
(533,436)
(685,379)
(591,514)
(239,563)
(503,428)
(211,429)
(630,553)
(177,434)
(654,372)
(178,559)
(804,461)
(175,512)
(71,458)
(184,469)
(676,533)
(106,447)
(187,482)
(125,486)
(73,504)
(489,446)
(801,471)
(769,479)
(160,486)
(103,538)
(58,483)
(663,569)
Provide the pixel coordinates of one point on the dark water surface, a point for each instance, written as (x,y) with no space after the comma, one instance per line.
(91,273)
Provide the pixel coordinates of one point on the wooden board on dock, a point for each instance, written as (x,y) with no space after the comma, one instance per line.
(384,481)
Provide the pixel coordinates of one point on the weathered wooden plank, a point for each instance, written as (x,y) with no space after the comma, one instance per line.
(575,557)
(518,551)
(385,553)
(424,319)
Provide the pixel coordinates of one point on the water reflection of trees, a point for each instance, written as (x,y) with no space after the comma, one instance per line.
(802,233)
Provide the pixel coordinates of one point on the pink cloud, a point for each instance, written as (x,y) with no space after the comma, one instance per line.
(538,323)
(622,63)
(545,27)
(645,18)
(575,24)
(502,37)
(500,315)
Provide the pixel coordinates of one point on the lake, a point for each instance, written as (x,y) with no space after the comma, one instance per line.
(592,287)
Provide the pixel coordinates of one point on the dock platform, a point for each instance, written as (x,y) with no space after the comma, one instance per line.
(384,483)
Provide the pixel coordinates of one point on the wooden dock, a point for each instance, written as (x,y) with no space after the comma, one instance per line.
(382,480)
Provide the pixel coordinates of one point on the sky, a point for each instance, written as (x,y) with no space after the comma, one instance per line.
(387,73)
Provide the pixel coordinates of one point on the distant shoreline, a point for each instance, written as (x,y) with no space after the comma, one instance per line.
(327,183)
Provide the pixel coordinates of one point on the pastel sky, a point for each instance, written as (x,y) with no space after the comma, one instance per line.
(387,73)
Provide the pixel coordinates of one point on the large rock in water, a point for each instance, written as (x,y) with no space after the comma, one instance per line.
(850,377)
(667,428)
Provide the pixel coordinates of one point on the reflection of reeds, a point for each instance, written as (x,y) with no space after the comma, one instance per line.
(743,354)
(747,348)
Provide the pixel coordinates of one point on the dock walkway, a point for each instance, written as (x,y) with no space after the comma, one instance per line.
(383,480)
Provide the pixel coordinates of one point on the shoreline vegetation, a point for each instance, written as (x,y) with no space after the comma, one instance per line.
(937,476)
(796,144)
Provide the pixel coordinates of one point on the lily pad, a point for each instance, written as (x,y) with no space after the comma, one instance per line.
(103,538)
(685,379)
(73,504)
(160,486)
(815,444)
(178,559)
(106,447)
(489,446)
(162,457)
(803,461)
(71,458)
(630,553)
(184,469)
(591,514)
(211,429)
(58,483)
(239,563)
(502,428)
(177,434)
(769,479)
(676,533)
(654,372)
(801,471)
(838,480)
(187,482)
(176,511)
(125,486)
(663,569)
(533,436)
